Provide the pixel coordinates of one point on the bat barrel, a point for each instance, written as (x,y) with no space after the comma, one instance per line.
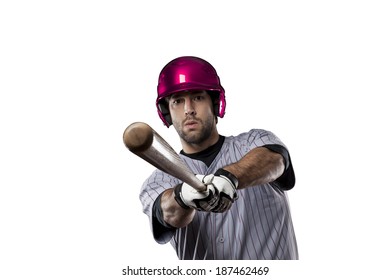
(146,143)
(138,137)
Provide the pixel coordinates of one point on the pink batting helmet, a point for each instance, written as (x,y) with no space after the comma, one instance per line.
(188,73)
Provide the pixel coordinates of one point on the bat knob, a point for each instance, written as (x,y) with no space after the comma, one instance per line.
(138,137)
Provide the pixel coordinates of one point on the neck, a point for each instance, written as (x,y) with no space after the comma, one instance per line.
(191,148)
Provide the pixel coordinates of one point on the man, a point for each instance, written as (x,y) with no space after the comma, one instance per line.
(244,213)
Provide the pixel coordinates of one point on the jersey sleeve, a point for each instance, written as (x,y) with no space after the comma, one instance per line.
(286,181)
(263,138)
(151,189)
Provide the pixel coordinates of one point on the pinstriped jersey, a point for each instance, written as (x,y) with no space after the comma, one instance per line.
(258,226)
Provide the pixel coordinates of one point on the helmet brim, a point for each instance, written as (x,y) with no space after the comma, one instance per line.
(188,87)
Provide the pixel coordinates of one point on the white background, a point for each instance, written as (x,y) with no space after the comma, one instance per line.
(75,74)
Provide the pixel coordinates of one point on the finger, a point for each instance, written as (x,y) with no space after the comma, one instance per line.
(208,179)
(223,206)
(227,203)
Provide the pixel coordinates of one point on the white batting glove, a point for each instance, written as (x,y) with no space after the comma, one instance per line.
(226,184)
(188,197)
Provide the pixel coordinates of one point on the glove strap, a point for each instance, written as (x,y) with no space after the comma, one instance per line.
(228,175)
(177,191)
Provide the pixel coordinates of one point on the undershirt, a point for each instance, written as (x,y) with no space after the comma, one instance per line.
(208,155)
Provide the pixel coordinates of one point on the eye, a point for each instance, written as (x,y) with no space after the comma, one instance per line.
(176,101)
(198,97)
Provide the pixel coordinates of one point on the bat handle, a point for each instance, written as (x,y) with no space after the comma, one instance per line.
(197,184)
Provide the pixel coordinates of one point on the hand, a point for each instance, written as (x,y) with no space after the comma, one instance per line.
(226,185)
(188,197)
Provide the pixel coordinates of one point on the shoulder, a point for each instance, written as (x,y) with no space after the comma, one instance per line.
(254,138)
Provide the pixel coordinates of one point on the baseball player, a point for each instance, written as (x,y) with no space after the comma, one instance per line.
(244,212)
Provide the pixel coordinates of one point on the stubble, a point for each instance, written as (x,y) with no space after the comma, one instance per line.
(196,137)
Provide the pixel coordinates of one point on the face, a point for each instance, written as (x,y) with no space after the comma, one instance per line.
(192,116)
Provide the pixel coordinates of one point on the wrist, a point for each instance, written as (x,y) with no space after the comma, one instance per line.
(174,215)
(178,196)
(228,175)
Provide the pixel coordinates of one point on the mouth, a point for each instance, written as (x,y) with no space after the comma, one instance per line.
(191,124)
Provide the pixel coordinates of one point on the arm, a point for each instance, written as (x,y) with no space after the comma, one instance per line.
(259,166)
(178,204)
(173,213)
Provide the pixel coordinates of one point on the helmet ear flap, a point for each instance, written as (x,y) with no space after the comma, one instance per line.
(168,119)
(215,99)
(164,112)
(216,109)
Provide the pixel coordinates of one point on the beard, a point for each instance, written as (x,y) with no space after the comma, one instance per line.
(196,137)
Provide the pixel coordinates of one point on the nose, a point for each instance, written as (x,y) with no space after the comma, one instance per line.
(189,108)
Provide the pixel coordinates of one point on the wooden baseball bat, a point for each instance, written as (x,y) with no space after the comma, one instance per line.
(146,143)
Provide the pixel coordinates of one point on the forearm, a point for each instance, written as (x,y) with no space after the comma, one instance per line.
(259,166)
(173,213)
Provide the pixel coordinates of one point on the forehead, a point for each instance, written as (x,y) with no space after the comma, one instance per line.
(188,92)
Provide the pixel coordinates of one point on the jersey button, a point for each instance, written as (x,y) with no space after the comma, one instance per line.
(221,239)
